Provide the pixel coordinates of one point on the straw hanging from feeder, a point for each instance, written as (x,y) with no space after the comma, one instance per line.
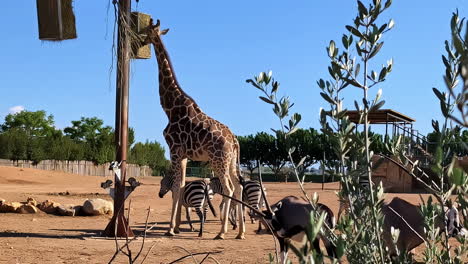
(140,21)
(56,20)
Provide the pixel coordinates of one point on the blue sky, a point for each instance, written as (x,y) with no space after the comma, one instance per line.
(215,46)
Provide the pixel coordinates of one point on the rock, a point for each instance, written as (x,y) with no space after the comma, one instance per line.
(48,206)
(2,201)
(31,201)
(10,207)
(27,209)
(97,207)
(66,210)
(78,210)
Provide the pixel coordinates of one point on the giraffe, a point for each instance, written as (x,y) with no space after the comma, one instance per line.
(192,134)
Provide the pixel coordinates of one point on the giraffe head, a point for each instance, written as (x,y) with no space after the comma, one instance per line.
(154,33)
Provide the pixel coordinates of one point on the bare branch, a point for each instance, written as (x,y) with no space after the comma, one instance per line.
(193,254)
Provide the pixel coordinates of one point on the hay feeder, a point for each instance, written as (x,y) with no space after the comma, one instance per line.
(56,20)
(140,22)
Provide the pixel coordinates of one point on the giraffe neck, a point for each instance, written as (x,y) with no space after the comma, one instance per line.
(171,95)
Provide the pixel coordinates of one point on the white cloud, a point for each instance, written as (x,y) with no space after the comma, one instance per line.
(16,109)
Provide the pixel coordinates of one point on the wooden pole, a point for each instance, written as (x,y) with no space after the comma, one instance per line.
(118,225)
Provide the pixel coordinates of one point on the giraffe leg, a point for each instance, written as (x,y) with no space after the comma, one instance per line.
(240,214)
(223,177)
(183,168)
(175,205)
(237,194)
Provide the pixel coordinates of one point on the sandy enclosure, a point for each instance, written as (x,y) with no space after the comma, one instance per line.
(42,238)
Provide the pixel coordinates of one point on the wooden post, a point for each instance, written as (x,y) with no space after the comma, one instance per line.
(118,225)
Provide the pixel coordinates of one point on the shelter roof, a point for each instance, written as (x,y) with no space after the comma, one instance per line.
(382,116)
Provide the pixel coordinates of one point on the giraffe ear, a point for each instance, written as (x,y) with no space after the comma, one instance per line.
(164,31)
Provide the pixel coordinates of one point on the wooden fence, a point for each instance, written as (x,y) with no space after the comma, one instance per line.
(78,167)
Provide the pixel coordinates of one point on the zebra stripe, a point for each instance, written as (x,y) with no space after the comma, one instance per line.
(195,196)
(251,194)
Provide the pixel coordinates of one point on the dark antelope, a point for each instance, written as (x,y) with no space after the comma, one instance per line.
(407,217)
(289,218)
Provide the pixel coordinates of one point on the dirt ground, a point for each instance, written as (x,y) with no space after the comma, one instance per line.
(42,238)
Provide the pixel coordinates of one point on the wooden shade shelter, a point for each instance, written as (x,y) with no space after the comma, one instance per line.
(400,122)
(393,178)
(382,116)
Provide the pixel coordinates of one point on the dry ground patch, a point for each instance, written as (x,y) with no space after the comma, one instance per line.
(43,238)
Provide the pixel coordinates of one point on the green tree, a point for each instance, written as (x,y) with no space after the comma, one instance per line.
(27,133)
(150,154)
(14,144)
(307,144)
(97,139)
(33,123)
(248,152)
(271,152)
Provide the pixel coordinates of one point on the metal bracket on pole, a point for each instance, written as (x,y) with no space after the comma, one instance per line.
(133,183)
(115,166)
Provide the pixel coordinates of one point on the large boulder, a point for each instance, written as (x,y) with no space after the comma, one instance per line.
(27,209)
(97,207)
(10,207)
(48,206)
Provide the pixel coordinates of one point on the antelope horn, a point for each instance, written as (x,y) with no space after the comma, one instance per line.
(243,203)
(263,191)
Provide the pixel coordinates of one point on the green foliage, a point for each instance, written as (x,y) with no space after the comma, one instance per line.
(456,69)
(150,154)
(446,143)
(283,141)
(361,229)
(249,155)
(32,136)
(34,124)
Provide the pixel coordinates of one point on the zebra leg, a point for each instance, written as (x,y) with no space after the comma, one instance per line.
(188,218)
(259,227)
(233,217)
(202,220)
(205,212)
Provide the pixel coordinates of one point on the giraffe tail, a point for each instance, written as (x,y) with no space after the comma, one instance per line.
(238,168)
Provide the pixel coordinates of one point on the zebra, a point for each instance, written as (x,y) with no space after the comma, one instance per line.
(251,194)
(195,194)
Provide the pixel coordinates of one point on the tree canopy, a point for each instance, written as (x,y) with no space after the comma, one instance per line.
(31,135)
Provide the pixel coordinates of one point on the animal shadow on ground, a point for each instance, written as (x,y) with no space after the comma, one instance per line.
(84,233)
(161,228)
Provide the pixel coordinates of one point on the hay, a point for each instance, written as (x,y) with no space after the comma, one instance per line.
(139,23)
(56,20)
